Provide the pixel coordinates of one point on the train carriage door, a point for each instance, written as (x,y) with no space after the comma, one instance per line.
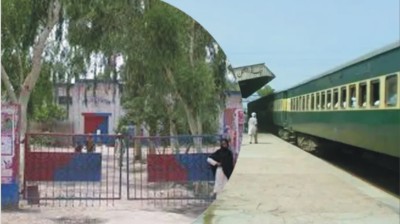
(284,112)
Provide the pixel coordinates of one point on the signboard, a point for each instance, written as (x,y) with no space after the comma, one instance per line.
(232,122)
(252,72)
(252,77)
(10,120)
(9,142)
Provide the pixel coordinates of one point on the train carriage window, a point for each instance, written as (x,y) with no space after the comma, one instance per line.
(298,103)
(353,97)
(335,99)
(328,100)
(291,104)
(312,102)
(323,100)
(343,97)
(302,103)
(307,102)
(318,102)
(391,90)
(362,95)
(374,93)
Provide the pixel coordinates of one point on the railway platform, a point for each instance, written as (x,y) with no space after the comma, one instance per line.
(276,182)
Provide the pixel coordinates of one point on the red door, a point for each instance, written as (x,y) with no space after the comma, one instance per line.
(92,123)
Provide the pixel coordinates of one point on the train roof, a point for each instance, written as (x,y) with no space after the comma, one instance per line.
(367,56)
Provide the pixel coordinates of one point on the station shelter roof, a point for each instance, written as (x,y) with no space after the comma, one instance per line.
(252,77)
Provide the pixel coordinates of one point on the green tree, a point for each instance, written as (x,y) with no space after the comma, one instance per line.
(25,28)
(178,45)
(49,113)
(163,49)
(265,91)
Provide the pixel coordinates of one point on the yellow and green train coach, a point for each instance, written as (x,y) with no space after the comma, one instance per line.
(355,104)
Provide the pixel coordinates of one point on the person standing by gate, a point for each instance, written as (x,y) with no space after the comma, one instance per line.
(119,148)
(221,163)
(253,128)
(90,146)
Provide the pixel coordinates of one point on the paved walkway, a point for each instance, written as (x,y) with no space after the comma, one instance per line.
(275,182)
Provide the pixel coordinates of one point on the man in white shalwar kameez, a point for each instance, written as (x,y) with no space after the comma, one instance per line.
(222,164)
(253,128)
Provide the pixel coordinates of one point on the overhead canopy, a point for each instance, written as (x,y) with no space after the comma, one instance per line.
(252,77)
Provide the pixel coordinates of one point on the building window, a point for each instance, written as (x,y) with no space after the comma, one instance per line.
(391,90)
(362,95)
(374,97)
(64,100)
(343,97)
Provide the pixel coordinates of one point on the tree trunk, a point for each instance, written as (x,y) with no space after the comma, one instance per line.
(31,79)
(7,83)
(138,146)
(198,141)
(23,101)
(191,43)
(152,133)
(194,129)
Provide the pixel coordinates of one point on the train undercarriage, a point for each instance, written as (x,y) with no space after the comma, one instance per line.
(306,142)
(329,149)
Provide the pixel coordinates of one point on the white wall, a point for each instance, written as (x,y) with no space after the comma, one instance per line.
(103,102)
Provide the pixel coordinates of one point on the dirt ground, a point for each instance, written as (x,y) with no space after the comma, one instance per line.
(122,212)
(112,212)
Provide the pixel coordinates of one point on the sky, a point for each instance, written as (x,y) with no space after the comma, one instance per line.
(296,39)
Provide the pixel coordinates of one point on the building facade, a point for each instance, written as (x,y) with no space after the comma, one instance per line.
(92,106)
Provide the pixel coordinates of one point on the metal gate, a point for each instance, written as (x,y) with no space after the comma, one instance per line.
(171,169)
(70,169)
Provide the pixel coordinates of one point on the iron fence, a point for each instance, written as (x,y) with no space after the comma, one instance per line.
(71,169)
(171,169)
(68,168)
